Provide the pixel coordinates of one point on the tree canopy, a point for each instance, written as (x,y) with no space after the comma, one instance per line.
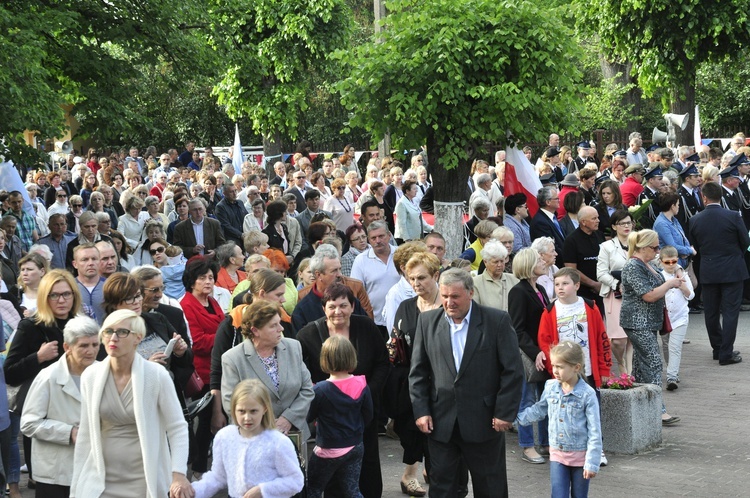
(457,73)
(267,50)
(666,40)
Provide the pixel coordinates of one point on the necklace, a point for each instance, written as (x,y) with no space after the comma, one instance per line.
(425,306)
(348,207)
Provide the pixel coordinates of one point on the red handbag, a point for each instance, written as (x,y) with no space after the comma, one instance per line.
(666,325)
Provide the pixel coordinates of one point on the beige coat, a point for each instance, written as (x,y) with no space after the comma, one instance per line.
(494,294)
(52,409)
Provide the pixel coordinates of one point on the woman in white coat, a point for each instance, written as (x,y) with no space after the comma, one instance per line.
(133,439)
(52,411)
(613,254)
(409,222)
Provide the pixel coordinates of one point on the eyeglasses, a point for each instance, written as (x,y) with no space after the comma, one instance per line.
(134,299)
(624,224)
(361,238)
(121,333)
(155,289)
(76,205)
(61,296)
(669,262)
(654,248)
(158,250)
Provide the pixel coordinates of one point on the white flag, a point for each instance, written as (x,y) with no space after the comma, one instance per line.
(697,130)
(237,157)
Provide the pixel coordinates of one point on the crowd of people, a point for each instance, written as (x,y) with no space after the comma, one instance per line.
(320,304)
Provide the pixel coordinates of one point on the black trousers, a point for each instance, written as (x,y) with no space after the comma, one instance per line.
(721,304)
(51,490)
(485,460)
(370,479)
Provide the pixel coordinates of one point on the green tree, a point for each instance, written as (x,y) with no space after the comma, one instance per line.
(455,74)
(267,50)
(82,53)
(667,40)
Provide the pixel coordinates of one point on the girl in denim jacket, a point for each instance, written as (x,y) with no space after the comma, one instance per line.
(574,430)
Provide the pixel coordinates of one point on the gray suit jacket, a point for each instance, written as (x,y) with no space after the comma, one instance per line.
(292,400)
(184,237)
(487,384)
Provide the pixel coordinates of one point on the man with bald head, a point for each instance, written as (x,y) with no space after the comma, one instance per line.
(108,260)
(581,250)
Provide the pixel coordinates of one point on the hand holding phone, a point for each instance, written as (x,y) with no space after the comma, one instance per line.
(170,347)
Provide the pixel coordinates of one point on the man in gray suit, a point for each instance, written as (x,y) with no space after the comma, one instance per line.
(198,234)
(465,386)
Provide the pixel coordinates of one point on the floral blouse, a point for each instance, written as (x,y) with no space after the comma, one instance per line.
(271,364)
(637,280)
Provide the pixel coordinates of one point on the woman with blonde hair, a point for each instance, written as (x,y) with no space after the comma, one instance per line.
(133,438)
(642,312)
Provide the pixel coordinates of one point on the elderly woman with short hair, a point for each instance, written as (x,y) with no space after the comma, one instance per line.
(76,210)
(481,208)
(527,301)
(152,229)
(133,438)
(52,412)
(129,224)
(491,288)
(230,259)
(38,341)
(274,360)
(545,246)
(152,213)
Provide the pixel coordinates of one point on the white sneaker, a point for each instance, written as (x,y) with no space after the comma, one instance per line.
(24,469)
(604,462)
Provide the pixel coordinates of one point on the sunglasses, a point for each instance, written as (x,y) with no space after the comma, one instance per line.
(121,333)
(158,250)
(654,248)
(61,196)
(669,261)
(77,205)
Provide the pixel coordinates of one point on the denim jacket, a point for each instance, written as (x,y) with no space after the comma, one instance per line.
(573,420)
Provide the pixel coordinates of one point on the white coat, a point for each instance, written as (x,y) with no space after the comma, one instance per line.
(162,430)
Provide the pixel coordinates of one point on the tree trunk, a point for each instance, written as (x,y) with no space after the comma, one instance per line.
(449,187)
(621,73)
(683,101)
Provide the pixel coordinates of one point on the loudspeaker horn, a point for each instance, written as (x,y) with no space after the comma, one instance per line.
(680,120)
(658,136)
(65,147)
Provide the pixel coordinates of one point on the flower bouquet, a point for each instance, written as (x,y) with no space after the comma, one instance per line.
(637,211)
(624,381)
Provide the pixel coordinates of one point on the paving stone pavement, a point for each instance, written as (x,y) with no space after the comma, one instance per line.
(707,454)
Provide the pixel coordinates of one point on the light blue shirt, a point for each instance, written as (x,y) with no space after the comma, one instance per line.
(198,231)
(459,331)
